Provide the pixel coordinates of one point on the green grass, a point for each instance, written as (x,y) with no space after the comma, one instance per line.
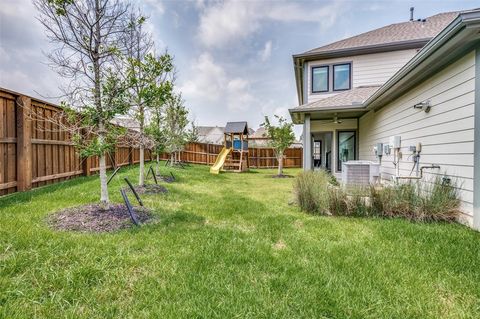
(230,246)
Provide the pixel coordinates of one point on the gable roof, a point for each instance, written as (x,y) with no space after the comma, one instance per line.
(398,36)
(410,31)
(458,38)
(237,127)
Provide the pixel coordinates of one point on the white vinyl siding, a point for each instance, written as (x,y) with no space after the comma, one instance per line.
(368,69)
(446,132)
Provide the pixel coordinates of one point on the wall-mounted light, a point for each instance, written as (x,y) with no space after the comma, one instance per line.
(425,106)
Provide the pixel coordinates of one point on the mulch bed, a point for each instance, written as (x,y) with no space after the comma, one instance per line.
(97,219)
(149,189)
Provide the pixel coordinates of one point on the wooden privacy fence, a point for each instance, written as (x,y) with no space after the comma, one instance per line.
(200,153)
(33,152)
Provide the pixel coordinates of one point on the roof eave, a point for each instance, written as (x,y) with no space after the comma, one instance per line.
(368,49)
(298,114)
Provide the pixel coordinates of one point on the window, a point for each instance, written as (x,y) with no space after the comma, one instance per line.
(320,79)
(317,154)
(341,77)
(346,148)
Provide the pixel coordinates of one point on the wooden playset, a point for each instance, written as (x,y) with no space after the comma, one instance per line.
(234,155)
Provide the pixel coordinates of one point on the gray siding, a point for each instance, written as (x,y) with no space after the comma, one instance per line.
(446,132)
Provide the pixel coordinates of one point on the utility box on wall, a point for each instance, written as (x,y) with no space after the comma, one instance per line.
(395,141)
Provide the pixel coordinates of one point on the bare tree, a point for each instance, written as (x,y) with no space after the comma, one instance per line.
(89,35)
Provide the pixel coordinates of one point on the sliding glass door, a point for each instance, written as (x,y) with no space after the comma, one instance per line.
(346,147)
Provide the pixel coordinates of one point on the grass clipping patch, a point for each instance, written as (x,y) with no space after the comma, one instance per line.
(97,219)
(316,193)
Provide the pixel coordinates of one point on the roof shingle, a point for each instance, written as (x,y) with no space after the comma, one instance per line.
(354,97)
(394,33)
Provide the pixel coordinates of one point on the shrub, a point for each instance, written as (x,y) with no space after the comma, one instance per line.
(442,201)
(311,191)
(315,193)
(437,202)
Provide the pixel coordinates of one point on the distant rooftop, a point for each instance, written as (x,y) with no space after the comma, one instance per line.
(416,30)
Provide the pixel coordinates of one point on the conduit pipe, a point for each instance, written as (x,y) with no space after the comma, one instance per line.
(421,173)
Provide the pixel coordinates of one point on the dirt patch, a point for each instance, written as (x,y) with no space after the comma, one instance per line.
(298,224)
(280,245)
(281,176)
(95,218)
(149,189)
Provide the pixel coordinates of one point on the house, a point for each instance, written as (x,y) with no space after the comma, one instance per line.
(412,86)
(214,134)
(210,134)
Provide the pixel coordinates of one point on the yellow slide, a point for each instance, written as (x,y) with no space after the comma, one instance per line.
(215,169)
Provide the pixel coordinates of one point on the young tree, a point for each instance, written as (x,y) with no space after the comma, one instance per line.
(280,138)
(88,35)
(175,127)
(148,78)
(154,131)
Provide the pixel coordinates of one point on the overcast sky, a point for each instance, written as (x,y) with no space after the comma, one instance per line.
(234,58)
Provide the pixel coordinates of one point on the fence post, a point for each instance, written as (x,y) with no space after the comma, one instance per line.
(131,156)
(24,143)
(87,165)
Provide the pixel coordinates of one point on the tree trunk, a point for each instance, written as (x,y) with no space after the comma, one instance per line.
(172,158)
(280,165)
(141,177)
(103,181)
(98,104)
(157,171)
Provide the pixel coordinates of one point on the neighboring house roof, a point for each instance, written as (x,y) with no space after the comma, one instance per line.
(126,122)
(260,132)
(458,38)
(237,127)
(354,97)
(422,29)
(213,134)
(210,134)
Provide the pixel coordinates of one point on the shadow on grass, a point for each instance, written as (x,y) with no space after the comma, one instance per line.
(180,218)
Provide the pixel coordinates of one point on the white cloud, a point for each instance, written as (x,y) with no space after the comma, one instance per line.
(209,82)
(223,22)
(266,52)
(156,5)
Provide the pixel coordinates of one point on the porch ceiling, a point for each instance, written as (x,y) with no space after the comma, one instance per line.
(341,113)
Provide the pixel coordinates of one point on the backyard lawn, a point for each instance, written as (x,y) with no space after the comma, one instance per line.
(230,245)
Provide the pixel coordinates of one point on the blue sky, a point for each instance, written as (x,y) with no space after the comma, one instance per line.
(233,58)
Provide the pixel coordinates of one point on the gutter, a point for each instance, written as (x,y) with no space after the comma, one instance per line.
(344,108)
(374,48)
